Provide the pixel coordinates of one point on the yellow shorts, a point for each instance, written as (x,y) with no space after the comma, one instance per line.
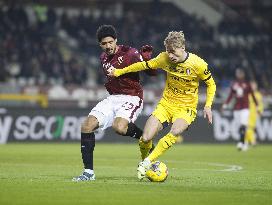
(166,112)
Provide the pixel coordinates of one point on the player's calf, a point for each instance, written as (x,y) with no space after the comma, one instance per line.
(130,130)
(87,149)
(145,148)
(242,132)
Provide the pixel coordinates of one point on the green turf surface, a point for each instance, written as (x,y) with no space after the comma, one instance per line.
(198,174)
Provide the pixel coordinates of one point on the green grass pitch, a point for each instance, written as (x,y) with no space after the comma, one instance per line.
(198,174)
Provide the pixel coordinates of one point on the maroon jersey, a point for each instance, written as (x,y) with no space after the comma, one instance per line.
(128,84)
(240,90)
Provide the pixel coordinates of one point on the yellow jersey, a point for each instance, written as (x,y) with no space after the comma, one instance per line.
(253,109)
(183,78)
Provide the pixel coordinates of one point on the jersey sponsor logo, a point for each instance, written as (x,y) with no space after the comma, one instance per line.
(173,77)
(179,91)
(180,70)
(239,90)
(106,66)
(120,60)
(171,69)
(141,58)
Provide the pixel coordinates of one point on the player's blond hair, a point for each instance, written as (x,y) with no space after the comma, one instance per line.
(175,39)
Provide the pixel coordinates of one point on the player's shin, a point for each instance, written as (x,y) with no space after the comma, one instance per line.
(242,132)
(145,148)
(164,144)
(87,148)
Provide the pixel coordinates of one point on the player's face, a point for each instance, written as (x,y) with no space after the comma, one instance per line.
(108,45)
(254,86)
(240,74)
(175,54)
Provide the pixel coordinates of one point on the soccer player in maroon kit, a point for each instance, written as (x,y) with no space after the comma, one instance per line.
(125,102)
(240,90)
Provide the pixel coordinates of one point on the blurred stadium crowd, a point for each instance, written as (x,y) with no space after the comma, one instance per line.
(41,44)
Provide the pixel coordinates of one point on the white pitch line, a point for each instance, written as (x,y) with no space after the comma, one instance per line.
(227,167)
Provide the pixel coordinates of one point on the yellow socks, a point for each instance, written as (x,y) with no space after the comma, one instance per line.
(164,144)
(144,148)
(250,136)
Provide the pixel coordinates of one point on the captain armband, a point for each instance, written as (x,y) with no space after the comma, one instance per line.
(208,78)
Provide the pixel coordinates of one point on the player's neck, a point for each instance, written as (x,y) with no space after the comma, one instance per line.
(241,80)
(116,49)
(184,57)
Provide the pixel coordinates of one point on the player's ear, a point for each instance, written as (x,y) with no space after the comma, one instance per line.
(100,43)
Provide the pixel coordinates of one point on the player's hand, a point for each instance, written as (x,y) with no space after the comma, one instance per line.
(111,71)
(146,52)
(208,114)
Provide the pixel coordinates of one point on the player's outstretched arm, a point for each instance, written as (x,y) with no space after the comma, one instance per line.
(211,88)
(153,63)
(132,68)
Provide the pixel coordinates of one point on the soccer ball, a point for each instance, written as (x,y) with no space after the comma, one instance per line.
(158,172)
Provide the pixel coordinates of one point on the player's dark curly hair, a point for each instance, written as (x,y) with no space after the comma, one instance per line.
(106,31)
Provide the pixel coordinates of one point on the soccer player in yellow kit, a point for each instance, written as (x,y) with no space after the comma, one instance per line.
(180,96)
(254,113)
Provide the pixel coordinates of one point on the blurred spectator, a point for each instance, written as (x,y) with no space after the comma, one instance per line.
(59,46)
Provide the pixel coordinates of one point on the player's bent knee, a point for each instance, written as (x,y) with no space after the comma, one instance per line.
(85,128)
(120,128)
(89,124)
(176,131)
(146,138)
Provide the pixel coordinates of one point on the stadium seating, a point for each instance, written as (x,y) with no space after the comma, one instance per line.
(58,45)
